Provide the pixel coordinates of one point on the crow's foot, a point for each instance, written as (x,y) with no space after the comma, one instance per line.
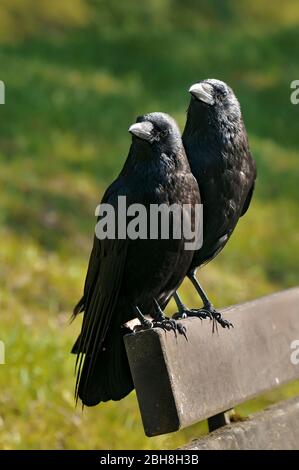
(167,324)
(192,312)
(145,325)
(217,318)
(206,312)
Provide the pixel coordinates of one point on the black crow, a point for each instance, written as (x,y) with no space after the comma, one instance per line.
(216,145)
(128,278)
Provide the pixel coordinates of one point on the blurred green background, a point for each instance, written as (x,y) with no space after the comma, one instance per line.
(77,73)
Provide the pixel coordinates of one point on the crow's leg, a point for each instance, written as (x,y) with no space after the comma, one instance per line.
(182,313)
(208,307)
(160,321)
(185,312)
(145,323)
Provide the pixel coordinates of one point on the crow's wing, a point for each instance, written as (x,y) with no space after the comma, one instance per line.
(253,172)
(101,292)
(94,259)
(92,270)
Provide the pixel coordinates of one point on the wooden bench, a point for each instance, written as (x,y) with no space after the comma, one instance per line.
(180,382)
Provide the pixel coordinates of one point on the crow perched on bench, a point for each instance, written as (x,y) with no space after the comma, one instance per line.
(216,145)
(128,278)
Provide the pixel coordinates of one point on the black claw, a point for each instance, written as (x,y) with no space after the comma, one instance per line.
(225,323)
(182,330)
(217,318)
(203,314)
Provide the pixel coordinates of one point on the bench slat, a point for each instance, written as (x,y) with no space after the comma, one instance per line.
(275,428)
(181,382)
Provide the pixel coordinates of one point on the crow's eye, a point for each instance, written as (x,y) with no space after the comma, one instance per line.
(164,133)
(221,92)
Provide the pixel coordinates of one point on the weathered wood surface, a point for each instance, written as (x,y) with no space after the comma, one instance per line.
(275,428)
(181,382)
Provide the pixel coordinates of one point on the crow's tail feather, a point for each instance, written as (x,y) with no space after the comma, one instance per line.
(110,377)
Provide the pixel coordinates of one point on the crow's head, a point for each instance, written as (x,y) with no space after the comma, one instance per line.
(157,130)
(215,100)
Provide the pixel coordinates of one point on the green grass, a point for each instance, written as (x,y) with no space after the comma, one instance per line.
(73,87)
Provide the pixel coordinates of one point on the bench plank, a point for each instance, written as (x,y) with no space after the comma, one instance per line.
(181,382)
(275,428)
